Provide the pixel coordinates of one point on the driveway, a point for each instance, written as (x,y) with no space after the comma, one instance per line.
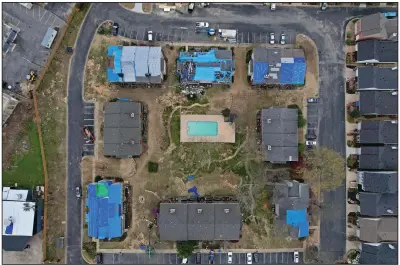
(326,28)
(220,258)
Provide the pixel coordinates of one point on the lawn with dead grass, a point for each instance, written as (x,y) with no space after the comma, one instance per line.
(128,5)
(52,98)
(147,7)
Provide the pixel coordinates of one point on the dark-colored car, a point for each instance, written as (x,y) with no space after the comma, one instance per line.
(115,29)
(255,257)
(78,192)
(198,258)
(211,257)
(99,258)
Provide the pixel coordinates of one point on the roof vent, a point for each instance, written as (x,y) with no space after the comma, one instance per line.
(394,147)
(132,115)
(269,148)
(199,210)
(394,68)
(226,210)
(269,120)
(391,246)
(172,210)
(394,93)
(389,211)
(394,122)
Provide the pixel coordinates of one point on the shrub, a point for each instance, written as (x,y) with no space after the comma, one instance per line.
(97,178)
(350,42)
(248,55)
(348,35)
(90,248)
(302,148)
(185,248)
(301,121)
(152,167)
(226,112)
(355,113)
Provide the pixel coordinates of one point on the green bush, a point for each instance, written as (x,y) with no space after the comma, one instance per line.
(348,35)
(350,42)
(355,113)
(97,178)
(185,248)
(248,55)
(152,167)
(90,248)
(302,148)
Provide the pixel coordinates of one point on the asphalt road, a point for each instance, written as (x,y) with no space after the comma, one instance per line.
(326,28)
(220,258)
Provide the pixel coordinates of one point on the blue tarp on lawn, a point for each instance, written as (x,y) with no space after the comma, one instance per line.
(298,219)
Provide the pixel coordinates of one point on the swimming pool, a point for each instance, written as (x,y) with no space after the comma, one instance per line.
(202,128)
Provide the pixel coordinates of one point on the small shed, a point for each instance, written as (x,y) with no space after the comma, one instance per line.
(49,38)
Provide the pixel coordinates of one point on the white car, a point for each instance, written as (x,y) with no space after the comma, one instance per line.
(184,261)
(272,38)
(249,258)
(150,35)
(230,257)
(311,143)
(296,257)
(273,6)
(202,25)
(283,39)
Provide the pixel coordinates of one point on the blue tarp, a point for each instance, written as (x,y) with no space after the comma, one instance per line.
(112,73)
(9,228)
(260,70)
(104,216)
(298,219)
(205,72)
(293,73)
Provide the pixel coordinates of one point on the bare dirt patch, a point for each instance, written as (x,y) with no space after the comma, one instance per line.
(128,5)
(147,7)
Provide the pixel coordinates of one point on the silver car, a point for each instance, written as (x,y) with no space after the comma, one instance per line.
(283,39)
(272,38)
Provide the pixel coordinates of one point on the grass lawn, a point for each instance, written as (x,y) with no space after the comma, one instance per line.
(26,169)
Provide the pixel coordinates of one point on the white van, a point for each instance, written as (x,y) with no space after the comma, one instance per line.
(150,35)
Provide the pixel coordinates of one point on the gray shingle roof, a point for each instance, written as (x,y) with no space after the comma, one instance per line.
(378,103)
(383,253)
(378,204)
(378,158)
(15,243)
(379,132)
(375,230)
(380,50)
(279,134)
(199,221)
(123,129)
(377,26)
(380,78)
(142,64)
(383,182)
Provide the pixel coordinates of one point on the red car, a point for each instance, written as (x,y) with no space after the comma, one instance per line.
(88,135)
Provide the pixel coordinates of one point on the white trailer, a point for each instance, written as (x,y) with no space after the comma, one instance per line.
(228,34)
(27,5)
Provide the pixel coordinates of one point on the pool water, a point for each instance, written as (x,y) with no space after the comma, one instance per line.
(202,128)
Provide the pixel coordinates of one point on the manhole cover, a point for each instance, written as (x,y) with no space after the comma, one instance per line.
(141,199)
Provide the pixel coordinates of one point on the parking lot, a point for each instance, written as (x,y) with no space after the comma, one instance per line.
(188,34)
(28,53)
(88,121)
(312,120)
(220,258)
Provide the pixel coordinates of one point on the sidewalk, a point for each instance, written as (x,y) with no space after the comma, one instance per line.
(277,250)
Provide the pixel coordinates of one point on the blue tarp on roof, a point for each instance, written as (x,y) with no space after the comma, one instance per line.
(260,70)
(112,73)
(293,73)
(210,73)
(104,216)
(298,219)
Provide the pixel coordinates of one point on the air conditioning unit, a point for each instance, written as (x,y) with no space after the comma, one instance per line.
(172,210)
(394,93)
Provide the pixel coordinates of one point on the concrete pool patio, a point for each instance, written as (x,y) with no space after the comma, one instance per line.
(226,130)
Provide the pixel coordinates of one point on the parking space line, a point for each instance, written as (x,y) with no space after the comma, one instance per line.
(287,258)
(47,19)
(270,257)
(53,21)
(282,257)
(43,15)
(248,37)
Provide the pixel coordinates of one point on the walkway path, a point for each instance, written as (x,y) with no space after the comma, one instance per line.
(138,8)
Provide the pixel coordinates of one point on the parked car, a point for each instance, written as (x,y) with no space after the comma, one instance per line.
(324,6)
(184,260)
(230,257)
(99,258)
(249,258)
(115,29)
(78,192)
(272,38)
(313,100)
(255,257)
(198,258)
(273,6)
(211,257)
(150,35)
(202,25)
(191,7)
(283,39)
(314,143)
(296,257)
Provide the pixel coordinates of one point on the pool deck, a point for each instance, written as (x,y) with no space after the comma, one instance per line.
(226,130)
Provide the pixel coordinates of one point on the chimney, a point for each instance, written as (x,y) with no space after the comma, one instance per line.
(172,210)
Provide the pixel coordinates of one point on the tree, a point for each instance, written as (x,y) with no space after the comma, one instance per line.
(185,248)
(355,113)
(323,167)
(226,112)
